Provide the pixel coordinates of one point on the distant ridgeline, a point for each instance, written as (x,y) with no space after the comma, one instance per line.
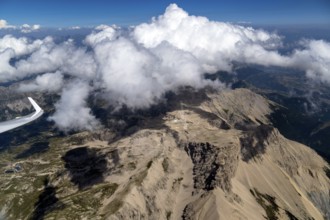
(305,112)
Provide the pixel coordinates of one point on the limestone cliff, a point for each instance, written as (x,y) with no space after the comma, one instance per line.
(218,158)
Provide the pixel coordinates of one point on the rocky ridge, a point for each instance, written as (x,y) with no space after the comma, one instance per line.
(219,158)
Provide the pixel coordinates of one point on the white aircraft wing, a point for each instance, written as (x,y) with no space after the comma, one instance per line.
(11,124)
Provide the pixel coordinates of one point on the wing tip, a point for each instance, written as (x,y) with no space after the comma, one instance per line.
(35,105)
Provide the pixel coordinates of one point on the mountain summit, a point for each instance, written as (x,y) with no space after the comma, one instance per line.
(211,155)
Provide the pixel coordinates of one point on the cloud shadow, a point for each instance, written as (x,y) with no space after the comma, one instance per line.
(86,166)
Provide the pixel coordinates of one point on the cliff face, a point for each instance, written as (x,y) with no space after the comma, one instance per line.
(216,159)
(250,165)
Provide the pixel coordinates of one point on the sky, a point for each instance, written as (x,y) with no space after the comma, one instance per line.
(64,13)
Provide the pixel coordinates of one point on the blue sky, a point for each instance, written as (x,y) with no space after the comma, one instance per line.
(64,13)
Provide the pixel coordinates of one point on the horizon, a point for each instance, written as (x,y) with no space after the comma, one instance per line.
(62,14)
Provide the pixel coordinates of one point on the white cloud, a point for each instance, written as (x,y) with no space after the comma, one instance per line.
(138,77)
(21,46)
(48,82)
(26,28)
(65,57)
(215,44)
(4,24)
(102,27)
(72,112)
(101,33)
(42,56)
(75,28)
(314,59)
(6,70)
(130,84)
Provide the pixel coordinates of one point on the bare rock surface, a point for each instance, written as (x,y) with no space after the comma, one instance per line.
(216,158)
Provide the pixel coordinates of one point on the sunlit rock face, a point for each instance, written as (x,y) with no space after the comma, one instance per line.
(177,163)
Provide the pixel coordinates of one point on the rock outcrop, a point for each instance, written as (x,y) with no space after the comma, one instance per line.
(215,158)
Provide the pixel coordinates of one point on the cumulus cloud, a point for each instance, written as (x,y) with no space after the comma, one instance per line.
(215,44)
(21,46)
(7,71)
(131,84)
(65,57)
(101,33)
(4,24)
(72,112)
(48,82)
(44,56)
(75,28)
(26,28)
(314,58)
(137,66)
(138,77)
(14,48)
